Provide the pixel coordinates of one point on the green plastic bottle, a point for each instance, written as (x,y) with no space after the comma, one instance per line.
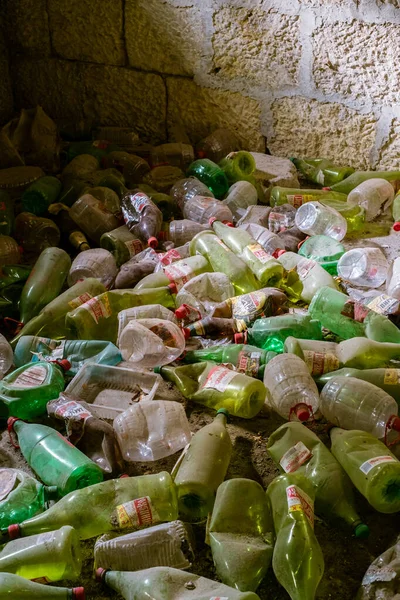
(265,267)
(18,588)
(296,196)
(122,244)
(345,187)
(48,557)
(321,170)
(53,458)
(373,469)
(211,175)
(178,273)
(297,449)
(238,166)
(43,192)
(324,250)
(354,215)
(218,387)
(11,274)
(249,360)
(241,534)
(202,468)
(386,379)
(44,282)
(117,504)
(6,213)
(297,561)
(395,213)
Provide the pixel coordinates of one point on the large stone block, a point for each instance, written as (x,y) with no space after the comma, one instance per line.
(358,60)
(202,110)
(274,170)
(163,37)
(261,47)
(308,128)
(28,27)
(89,30)
(389,153)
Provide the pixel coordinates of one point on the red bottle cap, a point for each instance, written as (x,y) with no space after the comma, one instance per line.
(181,312)
(240,338)
(394,423)
(63,363)
(173,288)
(152,242)
(211,220)
(100,574)
(10,423)
(326,188)
(186,332)
(123,476)
(228,224)
(78,593)
(14,531)
(396,226)
(278,252)
(302,412)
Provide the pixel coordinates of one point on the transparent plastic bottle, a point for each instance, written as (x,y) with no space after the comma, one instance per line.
(366,267)
(324,250)
(200,209)
(138,267)
(97,263)
(218,144)
(203,293)
(107,197)
(90,215)
(241,195)
(175,153)
(141,216)
(6,356)
(21,589)
(151,342)
(184,189)
(348,402)
(10,253)
(315,218)
(163,177)
(292,238)
(182,231)
(312,276)
(179,273)
(354,215)
(6,213)
(296,197)
(290,388)
(374,195)
(211,175)
(35,234)
(387,380)
(281,218)
(268,240)
(152,430)
(393,281)
(122,244)
(133,167)
(38,197)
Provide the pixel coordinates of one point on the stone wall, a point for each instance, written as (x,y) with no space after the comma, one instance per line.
(6,97)
(304,77)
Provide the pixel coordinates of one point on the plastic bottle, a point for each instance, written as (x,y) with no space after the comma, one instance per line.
(15,180)
(247,308)
(38,197)
(255,214)
(6,213)
(21,589)
(6,356)
(296,196)
(373,469)
(171,256)
(312,276)
(324,250)
(141,216)
(349,402)
(241,534)
(359,177)
(321,170)
(129,502)
(148,311)
(297,449)
(212,327)
(178,273)
(10,252)
(218,387)
(69,231)
(35,234)
(315,218)
(54,459)
(168,544)
(238,166)
(211,175)
(151,342)
(91,216)
(176,154)
(44,282)
(48,557)
(201,209)
(184,189)
(203,293)
(297,561)
(290,388)
(183,231)
(218,144)
(121,243)
(97,263)
(354,215)
(269,241)
(292,238)
(393,280)
(366,267)
(241,195)
(152,430)
(246,359)
(374,195)
(281,217)
(108,198)
(387,380)
(133,167)
(137,268)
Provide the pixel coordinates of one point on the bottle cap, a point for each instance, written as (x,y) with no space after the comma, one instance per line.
(173,288)
(302,412)
(10,423)
(100,574)
(326,188)
(278,252)
(152,242)
(64,364)
(123,476)
(211,220)
(14,531)
(201,154)
(361,531)
(394,423)
(186,332)
(181,312)
(223,411)
(240,338)
(396,226)
(228,224)
(78,593)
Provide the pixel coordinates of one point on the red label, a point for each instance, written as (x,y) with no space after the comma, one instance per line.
(143,511)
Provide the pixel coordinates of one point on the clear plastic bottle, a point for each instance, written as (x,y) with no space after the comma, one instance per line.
(281,218)
(141,216)
(312,276)
(393,281)
(179,273)
(152,430)
(374,195)
(241,195)
(203,293)
(211,175)
(19,588)
(133,167)
(255,214)
(148,311)
(90,215)
(366,267)
(163,177)
(35,234)
(268,240)
(6,356)
(291,390)
(218,144)
(122,244)
(324,250)
(184,189)
(182,231)
(138,267)
(175,153)
(315,218)
(200,209)
(10,253)
(97,263)
(348,402)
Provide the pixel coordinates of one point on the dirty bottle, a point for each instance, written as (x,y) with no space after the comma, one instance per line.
(37,197)
(212,327)
(358,177)
(218,144)
(374,195)
(184,189)
(201,209)
(10,252)
(296,197)
(255,214)
(281,217)
(6,356)
(249,360)
(387,380)
(151,342)
(141,216)
(312,276)
(182,231)
(238,166)
(211,175)
(269,241)
(315,218)
(292,238)
(240,196)
(176,154)
(324,250)
(97,263)
(321,170)
(364,267)
(6,213)
(122,244)
(137,268)
(179,273)
(92,217)
(35,234)
(23,589)
(133,167)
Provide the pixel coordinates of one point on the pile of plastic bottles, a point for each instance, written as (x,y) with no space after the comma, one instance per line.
(183,265)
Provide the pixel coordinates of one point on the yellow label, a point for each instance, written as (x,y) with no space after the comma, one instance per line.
(391,376)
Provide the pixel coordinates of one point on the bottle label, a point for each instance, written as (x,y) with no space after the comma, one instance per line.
(72,409)
(391,377)
(7,482)
(250,307)
(98,308)
(320,362)
(54,349)
(32,377)
(384,305)
(296,456)
(259,253)
(304,266)
(300,501)
(139,201)
(355,310)
(248,363)
(179,274)
(134,247)
(368,465)
(198,327)
(219,378)
(80,300)
(169,257)
(137,513)
(165,334)
(297,200)
(277,222)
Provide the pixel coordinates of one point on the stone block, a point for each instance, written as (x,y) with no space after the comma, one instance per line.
(201,110)
(389,153)
(308,128)
(163,37)
(260,47)
(28,27)
(274,170)
(88,30)
(358,60)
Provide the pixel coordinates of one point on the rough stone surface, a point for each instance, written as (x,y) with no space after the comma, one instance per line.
(389,156)
(273,170)
(88,30)
(262,47)
(6,97)
(202,110)
(162,37)
(27,27)
(310,128)
(358,60)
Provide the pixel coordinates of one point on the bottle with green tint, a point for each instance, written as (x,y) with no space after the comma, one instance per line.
(115,181)
(354,215)
(238,166)
(223,260)
(348,318)
(117,504)
(122,244)
(267,269)
(270,333)
(96,148)
(321,170)
(241,534)
(178,273)
(387,379)
(19,588)
(373,469)
(211,175)
(297,561)
(395,213)
(53,458)
(296,196)
(310,274)
(97,319)
(44,282)
(24,393)
(297,449)
(23,497)
(6,213)
(217,387)
(202,468)
(43,192)
(324,250)
(52,556)
(249,360)
(14,274)
(345,187)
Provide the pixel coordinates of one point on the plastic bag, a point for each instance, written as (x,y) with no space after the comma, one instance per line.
(382,579)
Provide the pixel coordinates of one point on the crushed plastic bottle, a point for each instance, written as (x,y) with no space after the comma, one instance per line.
(151,342)
(98,263)
(374,195)
(141,216)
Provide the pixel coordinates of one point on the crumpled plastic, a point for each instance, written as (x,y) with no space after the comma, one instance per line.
(382,578)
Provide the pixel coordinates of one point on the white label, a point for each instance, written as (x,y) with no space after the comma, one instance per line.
(7,482)
(139,201)
(80,300)
(259,253)
(218,378)
(179,274)
(134,247)
(137,513)
(72,409)
(368,465)
(304,266)
(32,377)
(296,456)
(98,308)
(277,222)
(383,304)
(300,501)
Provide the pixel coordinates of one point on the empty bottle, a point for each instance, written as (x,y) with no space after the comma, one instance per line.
(151,342)
(296,197)
(315,218)
(255,214)
(201,209)
(324,250)
(292,238)
(22,589)
(137,268)
(280,218)
(176,154)
(162,177)
(172,256)
(177,273)
(312,276)
(6,213)
(365,267)
(246,359)
(393,281)
(97,263)
(6,356)
(54,459)
(241,195)
(387,380)
(122,244)
(211,175)
(291,390)
(373,469)
(141,216)
(297,561)
(46,557)
(183,231)
(35,234)
(107,197)
(268,240)
(148,311)
(348,184)
(37,197)
(133,167)
(321,170)
(296,449)
(92,217)
(10,252)
(184,189)
(354,215)
(218,144)
(374,195)
(238,166)
(202,294)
